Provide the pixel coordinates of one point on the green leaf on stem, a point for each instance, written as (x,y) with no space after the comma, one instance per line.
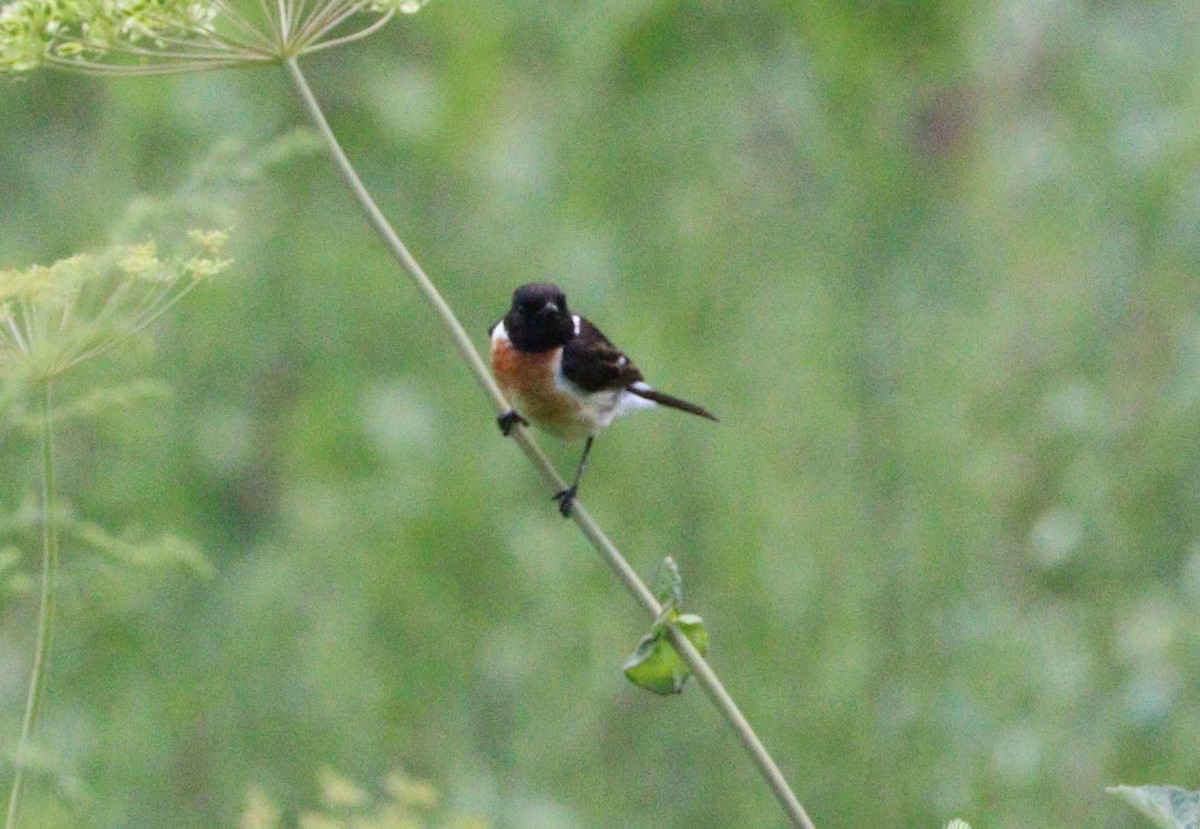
(654,663)
(668,585)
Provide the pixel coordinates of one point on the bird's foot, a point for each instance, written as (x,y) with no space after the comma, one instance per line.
(566,500)
(509,420)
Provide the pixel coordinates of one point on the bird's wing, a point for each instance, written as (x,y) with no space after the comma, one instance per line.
(593,363)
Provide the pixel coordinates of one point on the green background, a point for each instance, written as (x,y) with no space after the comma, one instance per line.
(933,264)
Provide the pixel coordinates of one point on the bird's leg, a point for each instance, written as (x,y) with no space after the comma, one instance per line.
(566,498)
(509,420)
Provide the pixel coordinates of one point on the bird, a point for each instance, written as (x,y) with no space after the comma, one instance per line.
(564,376)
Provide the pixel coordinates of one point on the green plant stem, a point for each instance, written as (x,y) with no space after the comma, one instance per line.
(46,603)
(608,551)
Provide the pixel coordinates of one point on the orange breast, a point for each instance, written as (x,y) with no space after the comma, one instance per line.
(529,380)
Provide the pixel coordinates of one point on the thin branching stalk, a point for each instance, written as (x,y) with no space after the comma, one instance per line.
(46,603)
(608,551)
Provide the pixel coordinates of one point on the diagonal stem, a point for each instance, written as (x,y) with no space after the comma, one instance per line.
(462,340)
(46,604)
(629,578)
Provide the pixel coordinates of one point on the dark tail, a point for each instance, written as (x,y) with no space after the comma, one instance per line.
(674,402)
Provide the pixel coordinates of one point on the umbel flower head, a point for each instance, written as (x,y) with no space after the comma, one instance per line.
(144,37)
(53,317)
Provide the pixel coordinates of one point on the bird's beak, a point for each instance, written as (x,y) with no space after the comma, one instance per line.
(548,308)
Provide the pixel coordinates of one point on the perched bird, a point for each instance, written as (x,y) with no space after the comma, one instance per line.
(564,376)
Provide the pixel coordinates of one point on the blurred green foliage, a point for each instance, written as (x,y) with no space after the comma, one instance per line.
(933,264)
